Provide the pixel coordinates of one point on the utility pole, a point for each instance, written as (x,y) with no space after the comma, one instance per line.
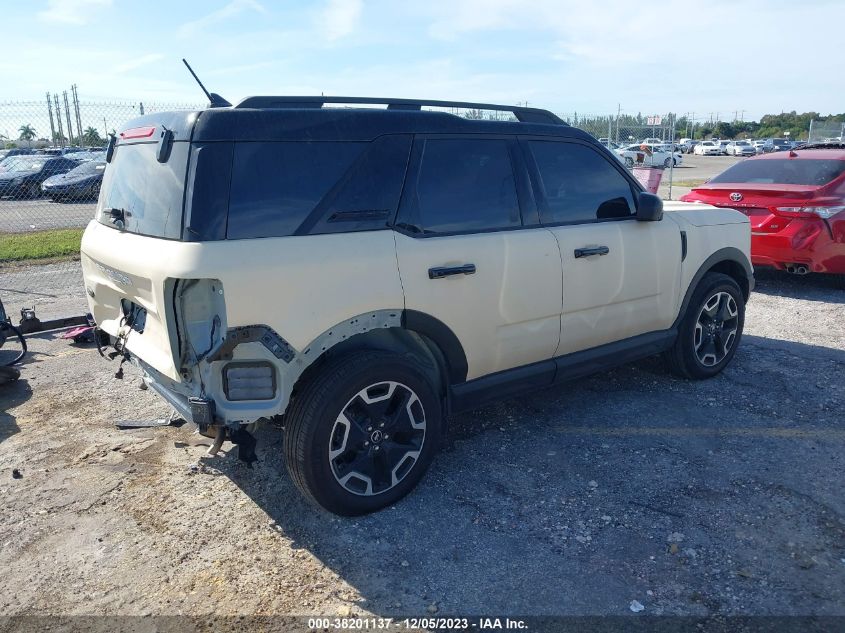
(52,126)
(618,115)
(76,108)
(59,120)
(67,114)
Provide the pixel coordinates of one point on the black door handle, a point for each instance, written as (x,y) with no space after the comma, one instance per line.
(439,272)
(592,250)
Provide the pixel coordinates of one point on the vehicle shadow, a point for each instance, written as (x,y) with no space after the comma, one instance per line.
(808,287)
(565,500)
(11,395)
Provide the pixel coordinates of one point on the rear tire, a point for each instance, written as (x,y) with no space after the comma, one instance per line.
(629,162)
(710,330)
(360,434)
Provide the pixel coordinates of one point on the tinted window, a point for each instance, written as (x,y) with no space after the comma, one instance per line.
(579,184)
(466,185)
(148,192)
(275,186)
(783,171)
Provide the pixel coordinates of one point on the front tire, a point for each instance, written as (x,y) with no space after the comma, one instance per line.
(360,435)
(710,330)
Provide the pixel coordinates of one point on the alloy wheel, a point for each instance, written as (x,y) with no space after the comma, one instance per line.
(716,328)
(377,438)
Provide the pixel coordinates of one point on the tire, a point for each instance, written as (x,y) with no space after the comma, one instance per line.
(629,162)
(34,191)
(333,435)
(667,163)
(9,374)
(710,330)
(95,190)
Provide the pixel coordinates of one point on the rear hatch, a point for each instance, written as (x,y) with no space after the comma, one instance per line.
(754,201)
(130,250)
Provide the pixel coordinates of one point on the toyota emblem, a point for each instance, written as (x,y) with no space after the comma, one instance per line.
(736,196)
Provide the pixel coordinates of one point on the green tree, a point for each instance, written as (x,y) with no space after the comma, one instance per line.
(91,137)
(27,132)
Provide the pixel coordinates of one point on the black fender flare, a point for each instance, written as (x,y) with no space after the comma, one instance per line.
(727,254)
(442,336)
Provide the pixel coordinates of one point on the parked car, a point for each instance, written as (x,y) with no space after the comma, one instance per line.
(740,148)
(690,147)
(22,175)
(776,145)
(361,273)
(758,145)
(707,148)
(80,183)
(796,204)
(723,146)
(15,151)
(654,156)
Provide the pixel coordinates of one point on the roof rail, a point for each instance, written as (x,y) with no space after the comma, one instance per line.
(523,114)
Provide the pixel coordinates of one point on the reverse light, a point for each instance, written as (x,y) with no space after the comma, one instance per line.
(138,132)
(806,212)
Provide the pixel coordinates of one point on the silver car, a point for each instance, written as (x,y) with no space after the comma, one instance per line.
(740,148)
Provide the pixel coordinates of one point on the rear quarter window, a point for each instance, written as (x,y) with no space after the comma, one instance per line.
(276,185)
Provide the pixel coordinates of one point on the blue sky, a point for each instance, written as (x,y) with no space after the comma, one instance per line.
(756,56)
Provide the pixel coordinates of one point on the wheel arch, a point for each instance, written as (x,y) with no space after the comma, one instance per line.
(407,331)
(729,261)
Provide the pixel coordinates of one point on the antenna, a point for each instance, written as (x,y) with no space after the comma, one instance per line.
(214,99)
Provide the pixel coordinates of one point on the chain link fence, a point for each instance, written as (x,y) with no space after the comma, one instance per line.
(52,165)
(53,161)
(826,131)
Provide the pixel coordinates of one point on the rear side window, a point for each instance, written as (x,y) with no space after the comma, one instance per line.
(275,186)
(784,171)
(148,193)
(466,185)
(579,184)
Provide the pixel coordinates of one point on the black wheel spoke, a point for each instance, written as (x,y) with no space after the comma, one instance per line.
(375,440)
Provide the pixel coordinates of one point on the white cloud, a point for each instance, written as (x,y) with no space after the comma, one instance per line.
(138,62)
(76,12)
(235,7)
(340,18)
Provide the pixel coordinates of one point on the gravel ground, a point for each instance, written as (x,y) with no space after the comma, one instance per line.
(697,498)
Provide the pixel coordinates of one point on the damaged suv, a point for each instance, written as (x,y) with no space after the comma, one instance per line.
(360,273)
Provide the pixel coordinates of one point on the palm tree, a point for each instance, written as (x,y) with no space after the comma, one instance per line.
(91,136)
(27,132)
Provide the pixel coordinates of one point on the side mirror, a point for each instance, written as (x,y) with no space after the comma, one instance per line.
(649,207)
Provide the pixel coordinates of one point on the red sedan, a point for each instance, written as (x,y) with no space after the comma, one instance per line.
(796,203)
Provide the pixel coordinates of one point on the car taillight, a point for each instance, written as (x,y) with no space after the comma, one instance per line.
(808,212)
(138,132)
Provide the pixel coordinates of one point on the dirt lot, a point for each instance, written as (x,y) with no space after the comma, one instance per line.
(699,498)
